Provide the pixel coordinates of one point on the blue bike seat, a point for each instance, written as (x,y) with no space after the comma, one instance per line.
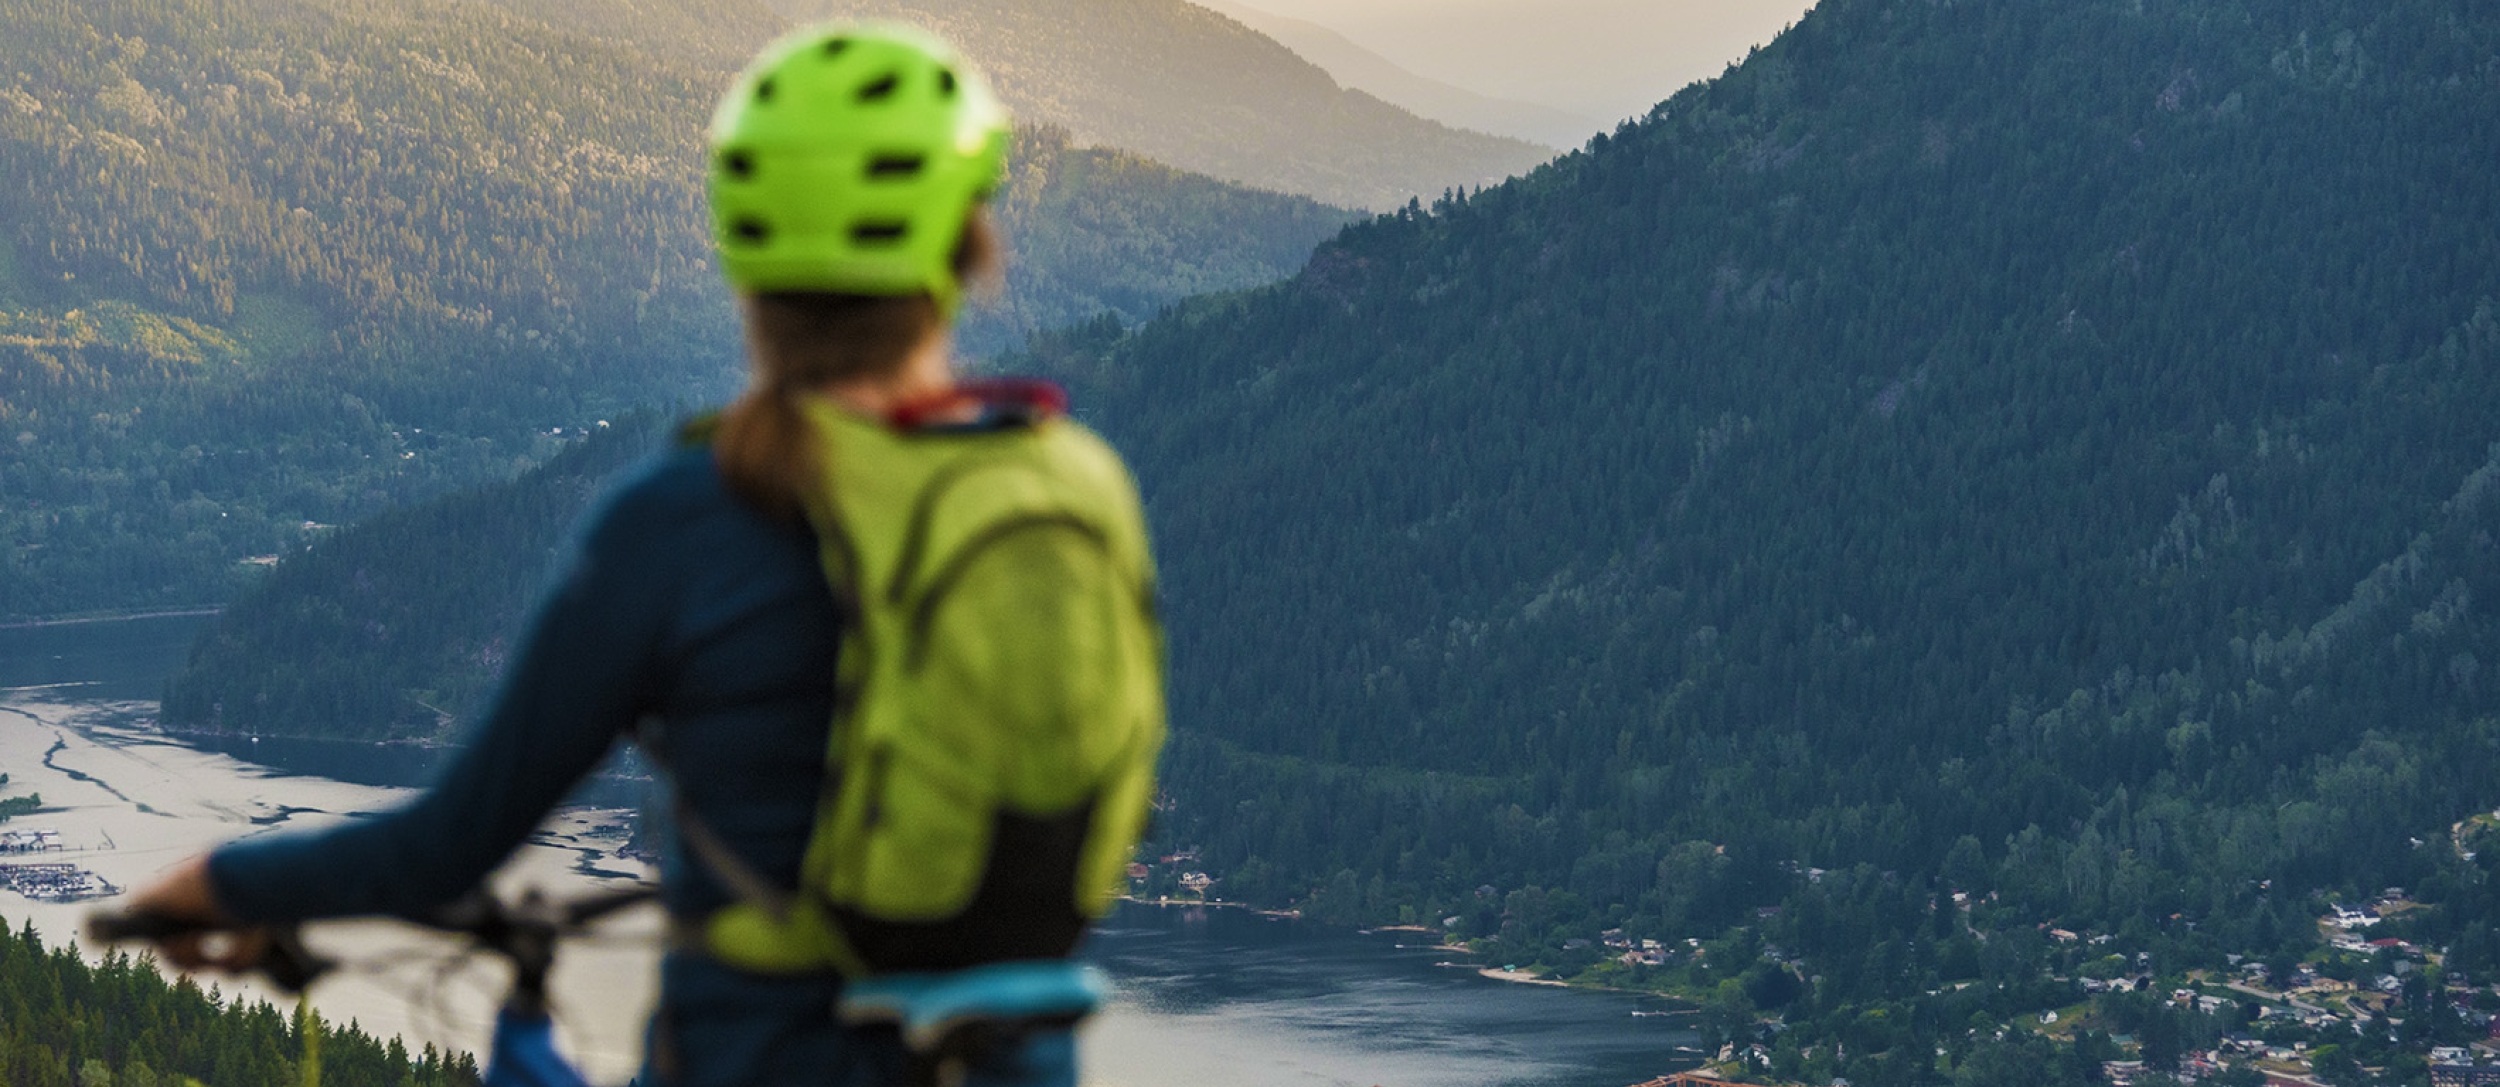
(928,1007)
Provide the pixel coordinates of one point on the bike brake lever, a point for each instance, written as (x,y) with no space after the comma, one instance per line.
(289,964)
(586,910)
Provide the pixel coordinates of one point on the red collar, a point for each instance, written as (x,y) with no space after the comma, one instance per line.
(1028,399)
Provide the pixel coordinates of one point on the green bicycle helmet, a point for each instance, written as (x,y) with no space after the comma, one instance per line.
(846,159)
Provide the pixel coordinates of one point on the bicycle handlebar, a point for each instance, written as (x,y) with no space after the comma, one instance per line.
(524,932)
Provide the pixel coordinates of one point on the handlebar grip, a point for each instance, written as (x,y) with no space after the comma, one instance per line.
(285,961)
(119,926)
(596,907)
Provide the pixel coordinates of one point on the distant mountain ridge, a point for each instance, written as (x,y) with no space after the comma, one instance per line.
(1183,85)
(1360,68)
(1603,59)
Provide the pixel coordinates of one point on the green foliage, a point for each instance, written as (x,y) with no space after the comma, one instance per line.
(391,629)
(120,1022)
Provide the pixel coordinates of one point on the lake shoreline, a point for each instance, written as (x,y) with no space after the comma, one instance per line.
(1688,1001)
(1236,996)
(126,803)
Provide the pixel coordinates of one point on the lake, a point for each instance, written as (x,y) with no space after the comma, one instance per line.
(1206,996)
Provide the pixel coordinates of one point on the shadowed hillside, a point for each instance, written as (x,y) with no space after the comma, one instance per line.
(272,266)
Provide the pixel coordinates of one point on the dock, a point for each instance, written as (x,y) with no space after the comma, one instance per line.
(1692,1079)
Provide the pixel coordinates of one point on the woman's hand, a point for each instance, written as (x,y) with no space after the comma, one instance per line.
(185,894)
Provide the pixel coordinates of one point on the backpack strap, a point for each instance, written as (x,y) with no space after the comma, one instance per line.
(769,916)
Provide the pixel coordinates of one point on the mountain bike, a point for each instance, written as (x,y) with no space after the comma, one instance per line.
(945,1021)
(524,933)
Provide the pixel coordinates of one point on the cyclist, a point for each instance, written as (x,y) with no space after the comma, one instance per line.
(851,163)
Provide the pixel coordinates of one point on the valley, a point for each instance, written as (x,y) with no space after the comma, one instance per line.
(1961,548)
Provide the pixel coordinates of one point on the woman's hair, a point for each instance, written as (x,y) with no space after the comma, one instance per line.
(798,342)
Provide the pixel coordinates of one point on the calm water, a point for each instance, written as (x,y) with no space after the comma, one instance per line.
(1207,997)
(1229,998)
(106,661)
(130,659)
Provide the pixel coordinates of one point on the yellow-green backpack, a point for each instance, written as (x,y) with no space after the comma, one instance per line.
(998,706)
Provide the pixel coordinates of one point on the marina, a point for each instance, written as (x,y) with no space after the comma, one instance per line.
(55,882)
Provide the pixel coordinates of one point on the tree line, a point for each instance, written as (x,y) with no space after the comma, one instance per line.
(119,1022)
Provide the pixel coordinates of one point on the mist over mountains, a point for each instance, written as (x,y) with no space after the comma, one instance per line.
(1184,85)
(1602,59)
(1352,65)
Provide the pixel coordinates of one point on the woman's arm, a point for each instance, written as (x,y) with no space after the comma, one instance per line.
(583,676)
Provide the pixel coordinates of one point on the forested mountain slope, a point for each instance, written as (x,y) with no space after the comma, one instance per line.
(295,261)
(1184,85)
(2049,449)
(1997,419)
(395,628)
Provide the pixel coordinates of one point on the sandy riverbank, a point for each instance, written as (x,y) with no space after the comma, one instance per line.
(1520,976)
(127,804)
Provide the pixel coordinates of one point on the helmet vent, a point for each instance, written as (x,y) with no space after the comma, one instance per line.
(946,83)
(879,234)
(750,231)
(881,88)
(894,167)
(764,91)
(738,164)
(835,46)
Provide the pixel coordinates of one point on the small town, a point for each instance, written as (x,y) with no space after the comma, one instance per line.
(2290,1028)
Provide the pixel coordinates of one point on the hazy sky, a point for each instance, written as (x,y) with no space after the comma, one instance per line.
(1604,59)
